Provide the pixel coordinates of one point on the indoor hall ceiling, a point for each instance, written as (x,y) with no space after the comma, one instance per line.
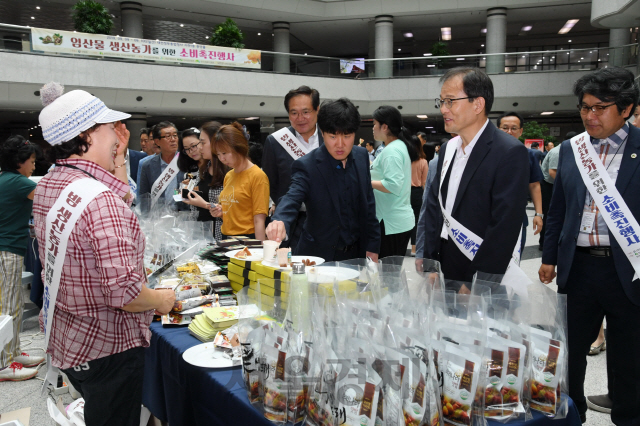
(341,37)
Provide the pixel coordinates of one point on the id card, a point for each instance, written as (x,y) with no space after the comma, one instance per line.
(588,219)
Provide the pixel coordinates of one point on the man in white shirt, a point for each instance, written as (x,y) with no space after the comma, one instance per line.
(483,184)
(285,146)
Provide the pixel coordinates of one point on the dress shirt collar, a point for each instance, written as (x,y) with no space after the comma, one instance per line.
(337,164)
(615,139)
(469,148)
(313,139)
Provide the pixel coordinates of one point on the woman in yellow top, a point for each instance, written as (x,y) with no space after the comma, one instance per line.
(244,200)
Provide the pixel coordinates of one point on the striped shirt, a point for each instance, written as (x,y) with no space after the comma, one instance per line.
(610,151)
(102,270)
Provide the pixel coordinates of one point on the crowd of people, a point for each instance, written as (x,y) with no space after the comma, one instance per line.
(317,191)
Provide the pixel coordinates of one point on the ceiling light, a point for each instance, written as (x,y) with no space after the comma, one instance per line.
(428,127)
(38,7)
(446,33)
(33,17)
(182,25)
(526,28)
(459,59)
(408,34)
(581,58)
(259,34)
(422,116)
(305,54)
(431,66)
(427,54)
(482,45)
(483,31)
(546,113)
(567,27)
(207,37)
(399,50)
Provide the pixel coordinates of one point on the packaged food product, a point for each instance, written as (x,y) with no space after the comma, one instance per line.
(297,365)
(320,405)
(183,305)
(414,383)
(357,392)
(274,384)
(251,365)
(505,378)
(188,293)
(547,369)
(461,374)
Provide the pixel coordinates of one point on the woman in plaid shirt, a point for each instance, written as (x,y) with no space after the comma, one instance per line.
(103,308)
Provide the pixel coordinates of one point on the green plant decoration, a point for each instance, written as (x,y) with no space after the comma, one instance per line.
(227,34)
(533,130)
(92,17)
(439,48)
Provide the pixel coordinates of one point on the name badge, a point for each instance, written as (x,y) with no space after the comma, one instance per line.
(588,219)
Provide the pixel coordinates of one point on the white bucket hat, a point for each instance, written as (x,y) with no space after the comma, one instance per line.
(65,116)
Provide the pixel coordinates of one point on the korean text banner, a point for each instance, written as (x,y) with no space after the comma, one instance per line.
(135,48)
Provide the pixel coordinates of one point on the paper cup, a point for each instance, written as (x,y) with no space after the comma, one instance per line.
(269,250)
(284,256)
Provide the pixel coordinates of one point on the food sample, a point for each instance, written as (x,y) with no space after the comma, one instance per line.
(189,268)
(461,373)
(243,254)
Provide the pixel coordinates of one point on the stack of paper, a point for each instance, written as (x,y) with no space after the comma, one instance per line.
(206,325)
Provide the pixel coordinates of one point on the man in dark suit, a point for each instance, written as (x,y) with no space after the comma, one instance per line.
(335,184)
(134,160)
(484,187)
(302,107)
(594,259)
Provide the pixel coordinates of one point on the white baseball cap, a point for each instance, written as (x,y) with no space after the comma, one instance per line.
(65,116)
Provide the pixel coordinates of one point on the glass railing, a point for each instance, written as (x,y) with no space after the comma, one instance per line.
(13,38)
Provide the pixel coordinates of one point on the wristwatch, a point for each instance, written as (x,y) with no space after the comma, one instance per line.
(540,215)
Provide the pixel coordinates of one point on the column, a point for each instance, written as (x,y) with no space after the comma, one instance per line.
(372,40)
(618,37)
(496,38)
(131,13)
(134,124)
(281,45)
(384,45)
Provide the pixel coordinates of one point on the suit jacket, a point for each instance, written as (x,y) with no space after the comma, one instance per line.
(149,172)
(312,183)
(490,202)
(134,160)
(276,163)
(567,205)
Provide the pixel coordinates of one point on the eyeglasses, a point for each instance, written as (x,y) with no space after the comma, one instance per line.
(448,102)
(169,137)
(510,129)
(304,113)
(192,147)
(596,109)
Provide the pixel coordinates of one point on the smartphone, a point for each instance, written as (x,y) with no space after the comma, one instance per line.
(185,193)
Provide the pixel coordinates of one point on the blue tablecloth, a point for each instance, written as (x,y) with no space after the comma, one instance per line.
(182,394)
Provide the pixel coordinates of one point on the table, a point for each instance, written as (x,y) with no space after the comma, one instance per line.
(183,394)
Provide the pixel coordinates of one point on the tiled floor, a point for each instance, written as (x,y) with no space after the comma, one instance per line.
(14,396)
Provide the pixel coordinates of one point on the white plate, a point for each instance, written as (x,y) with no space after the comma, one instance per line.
(256,254)
(205,355)
(340,274)
(316,259)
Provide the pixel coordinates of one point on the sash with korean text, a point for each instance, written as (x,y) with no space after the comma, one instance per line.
(290,143)
(623,226)
(466,241)
(158,187)
(61,220)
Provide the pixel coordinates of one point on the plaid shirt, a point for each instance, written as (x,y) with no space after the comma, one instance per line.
(102,272)
(610,151)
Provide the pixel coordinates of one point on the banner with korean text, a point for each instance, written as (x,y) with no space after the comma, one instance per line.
(134,48)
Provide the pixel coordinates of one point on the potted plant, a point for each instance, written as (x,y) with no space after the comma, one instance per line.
(227,34)
(91,17)
(439,48)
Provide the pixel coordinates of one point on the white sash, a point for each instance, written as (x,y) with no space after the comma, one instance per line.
(61,220)
(290,143)
(466,241)
(165,177)
(623,226)
(133,186)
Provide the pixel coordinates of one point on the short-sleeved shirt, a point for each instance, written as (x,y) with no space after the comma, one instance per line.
(243,196)
(393,168)
(103,270)
(16,211)
(535,174)
(550,162)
